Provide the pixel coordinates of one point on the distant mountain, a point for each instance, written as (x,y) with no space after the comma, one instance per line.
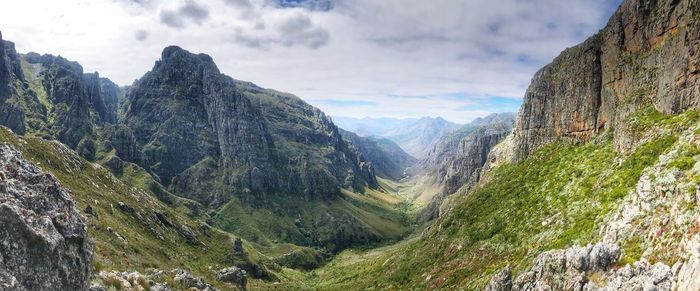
(388,159)
(50,96)
(415,136)
(456,159)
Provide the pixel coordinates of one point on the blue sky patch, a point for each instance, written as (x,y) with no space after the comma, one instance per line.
(316,5)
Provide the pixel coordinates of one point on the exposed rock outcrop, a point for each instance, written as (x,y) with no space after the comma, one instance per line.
(649,52)
(560,269)
(11,111)
(186,280)
(43,240)
(234,275)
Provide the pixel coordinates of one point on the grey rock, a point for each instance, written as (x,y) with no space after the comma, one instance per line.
(502,281)
(233,275)
(457,158)
(560,269)
(187,280)
(43,242)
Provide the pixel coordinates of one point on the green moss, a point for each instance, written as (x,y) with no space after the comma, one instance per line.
(685,159)
(633,251)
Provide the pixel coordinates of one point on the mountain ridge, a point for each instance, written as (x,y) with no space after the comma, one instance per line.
(413,135)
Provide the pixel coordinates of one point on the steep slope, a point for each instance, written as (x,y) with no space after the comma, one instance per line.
(387,158)
(133,230)
(594,160)
(267,164)
(647,54)
(457,159)
(415,136)
(50,96)
(187,117)
(13,99)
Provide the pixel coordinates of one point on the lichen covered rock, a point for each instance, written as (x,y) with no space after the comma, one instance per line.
(43,240)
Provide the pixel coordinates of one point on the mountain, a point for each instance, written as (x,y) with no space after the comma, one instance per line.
(387,158)
(456,160)
(244,151)
(170,166)
(594,190)
(261,163)
(208,182)
(253,140)
(369,126)
(50,96)
(415,136)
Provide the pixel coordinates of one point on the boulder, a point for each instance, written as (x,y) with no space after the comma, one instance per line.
(233,275)
(43,240)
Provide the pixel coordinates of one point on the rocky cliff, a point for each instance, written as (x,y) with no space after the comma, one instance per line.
(44,243)
(11,110)
(456,160)
(647,54)
(387,158)
(210,137)
(52,97)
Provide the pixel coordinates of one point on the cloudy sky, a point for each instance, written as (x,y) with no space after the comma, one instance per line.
(458,59)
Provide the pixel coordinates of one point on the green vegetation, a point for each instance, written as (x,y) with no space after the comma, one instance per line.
(376,216)
(132,238)
(554,199)
(648,117)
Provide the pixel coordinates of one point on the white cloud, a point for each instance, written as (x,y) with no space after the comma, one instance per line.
(367,50)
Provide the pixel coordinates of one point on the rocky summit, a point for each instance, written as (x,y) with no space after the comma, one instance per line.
(198,129)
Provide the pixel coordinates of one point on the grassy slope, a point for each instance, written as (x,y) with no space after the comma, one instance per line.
(555,198)
(381,212)
(147,243)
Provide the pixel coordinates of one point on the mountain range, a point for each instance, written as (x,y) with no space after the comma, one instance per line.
(414,136)
(190,179)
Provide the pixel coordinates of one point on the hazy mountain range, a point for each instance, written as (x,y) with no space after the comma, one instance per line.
(415,136)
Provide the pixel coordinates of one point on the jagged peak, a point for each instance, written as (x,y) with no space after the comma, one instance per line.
(174,51)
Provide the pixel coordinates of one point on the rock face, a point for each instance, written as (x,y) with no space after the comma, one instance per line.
(43,240)
(102,94)
(11,112)
(51,96)
(457,159)
(560,269)
(387,158)
(649,52)
(235,276)
(208,136)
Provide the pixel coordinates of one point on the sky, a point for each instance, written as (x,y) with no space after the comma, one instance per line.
(457,59)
